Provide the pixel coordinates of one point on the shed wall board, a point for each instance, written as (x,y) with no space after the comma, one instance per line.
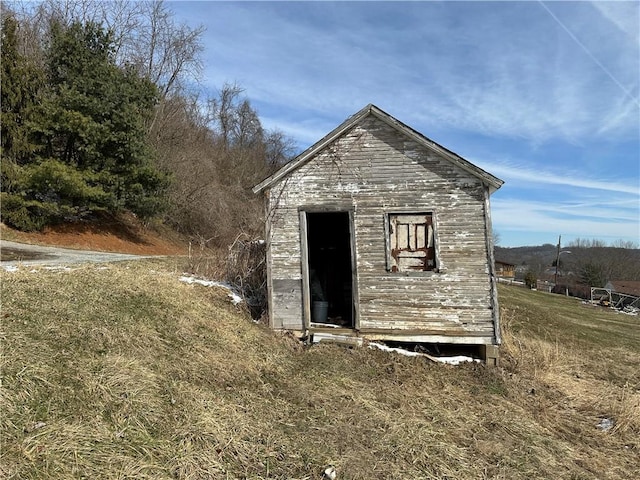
(374,170)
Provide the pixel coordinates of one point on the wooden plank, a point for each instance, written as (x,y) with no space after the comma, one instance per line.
(355,295)
(268,238)
(287,303)
(304,249)
(372,171)
(491,264)
(421,236)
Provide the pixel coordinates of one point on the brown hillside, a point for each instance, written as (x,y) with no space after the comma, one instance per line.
(122,234)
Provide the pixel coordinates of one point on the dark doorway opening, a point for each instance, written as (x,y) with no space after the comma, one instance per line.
(330,270)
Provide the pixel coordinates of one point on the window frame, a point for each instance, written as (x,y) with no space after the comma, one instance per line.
(390,263)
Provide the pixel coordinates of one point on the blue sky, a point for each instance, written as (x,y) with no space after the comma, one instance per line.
(544,95)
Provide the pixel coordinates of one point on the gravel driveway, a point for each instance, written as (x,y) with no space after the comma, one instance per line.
(13,253)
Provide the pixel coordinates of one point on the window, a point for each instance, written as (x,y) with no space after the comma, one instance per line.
(411,242)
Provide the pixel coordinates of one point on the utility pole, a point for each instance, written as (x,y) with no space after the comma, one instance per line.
(555,278)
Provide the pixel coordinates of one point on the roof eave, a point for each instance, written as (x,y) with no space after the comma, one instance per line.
(312,150)
(493,182)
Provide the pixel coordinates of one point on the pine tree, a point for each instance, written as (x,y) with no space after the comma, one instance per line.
(21,81)
(88,129)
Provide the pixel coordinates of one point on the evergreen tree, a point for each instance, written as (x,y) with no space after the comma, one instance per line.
(21,81)
(89,130)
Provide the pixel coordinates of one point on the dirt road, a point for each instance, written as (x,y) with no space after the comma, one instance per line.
(13,253)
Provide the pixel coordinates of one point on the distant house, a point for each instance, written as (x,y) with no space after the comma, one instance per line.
(626,287)
(505,270)
(378,232)
(624,293)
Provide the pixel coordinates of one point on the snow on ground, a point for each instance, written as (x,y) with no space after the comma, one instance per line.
(235,298)
(456,360)
(35,268)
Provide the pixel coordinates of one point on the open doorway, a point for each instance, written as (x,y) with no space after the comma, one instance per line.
(330,268)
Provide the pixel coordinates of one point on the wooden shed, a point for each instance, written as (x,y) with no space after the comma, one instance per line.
(378,232)
(505,270)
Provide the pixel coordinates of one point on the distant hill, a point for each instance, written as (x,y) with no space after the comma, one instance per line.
(530,255)
(610,263)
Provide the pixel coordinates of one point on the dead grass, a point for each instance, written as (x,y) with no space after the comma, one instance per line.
(125,372)
(241,265)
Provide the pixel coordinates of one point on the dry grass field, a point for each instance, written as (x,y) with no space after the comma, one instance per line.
(121,371)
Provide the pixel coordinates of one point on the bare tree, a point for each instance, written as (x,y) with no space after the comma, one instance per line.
(496,237)
(166,52)
(624,244)
(145,35)
(599,264)
(216,158)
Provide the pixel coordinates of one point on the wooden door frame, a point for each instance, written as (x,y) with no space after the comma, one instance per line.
(304,254)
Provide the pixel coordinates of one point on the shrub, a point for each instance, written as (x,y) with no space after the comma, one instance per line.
(247,272)
(531,279)
(26,215)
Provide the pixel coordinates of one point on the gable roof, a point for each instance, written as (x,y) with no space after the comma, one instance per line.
(505,263)
(493,182)
(628,287)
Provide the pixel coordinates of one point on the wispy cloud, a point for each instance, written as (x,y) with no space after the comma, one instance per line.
(554,85)
(624,15)
(618,117)
(527,216)
(558,209)
(589,52)
(552,203)
(552,200)
(523,175)
(307,132)
(517,74)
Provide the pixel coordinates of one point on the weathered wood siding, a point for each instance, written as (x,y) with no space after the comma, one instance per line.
(376,170)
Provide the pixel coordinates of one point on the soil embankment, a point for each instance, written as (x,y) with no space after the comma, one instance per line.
(124,234)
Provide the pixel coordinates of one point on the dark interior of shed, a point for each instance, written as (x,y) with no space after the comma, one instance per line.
(330,271)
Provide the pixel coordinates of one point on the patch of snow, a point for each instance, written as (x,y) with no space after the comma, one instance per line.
(10,268)
(605,424)
(329,473)
(629,310)
(326,325)
(198,281)
(235,298)
(456,360)
(401,351)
